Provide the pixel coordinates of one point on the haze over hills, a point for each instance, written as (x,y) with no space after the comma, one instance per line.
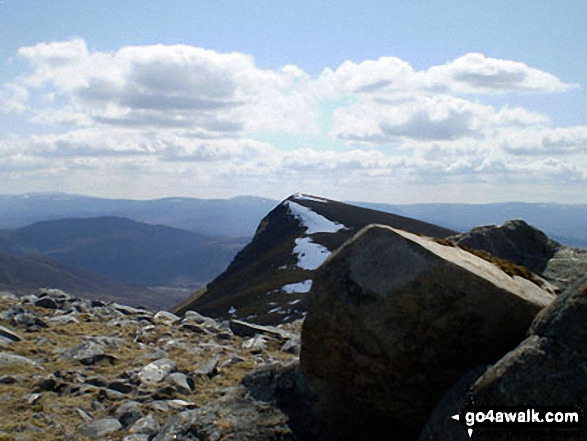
(564,222)
(268,280)
(129,251)
(239,216)
(235,217)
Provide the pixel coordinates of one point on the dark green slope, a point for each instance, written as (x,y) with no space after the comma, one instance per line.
(129,251)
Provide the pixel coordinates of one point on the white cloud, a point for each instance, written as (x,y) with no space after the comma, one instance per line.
(182,117)
(475,73)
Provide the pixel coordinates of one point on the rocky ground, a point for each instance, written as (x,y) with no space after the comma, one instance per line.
(74,369)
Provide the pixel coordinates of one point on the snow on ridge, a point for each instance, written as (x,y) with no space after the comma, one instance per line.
(300,287)
(310,255)
(307,197)
(314,222)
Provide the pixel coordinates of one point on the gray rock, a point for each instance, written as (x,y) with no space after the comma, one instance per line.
(129,412)
(440,425)
(10,334)
(256,344)
(121,386)
(8,359)
(63,319)
(166,317)
(154,354)
(89,353)
(157,371)
(210,368)
(83,414)
(127,310)
(5,342)
(547,369)
(146,425)
(515,241)
(395,319)
(293,345)
(100,428)
(180,382)
(137,437)
(46,302)
(244,329)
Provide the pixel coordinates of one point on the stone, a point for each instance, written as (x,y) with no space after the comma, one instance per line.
(83,414)
(244,329)
(147,425)
(89,353)
(100,428)
(63,319)
(293,345)
(180,382)
(127,310)
(46,302)
(256,344)
(515,241)
(10,334)
(547,369)
(395,319)
(137,437)
(8,359)
(157,371)
(121,386)
(166,317)
(128,413)
(210,368)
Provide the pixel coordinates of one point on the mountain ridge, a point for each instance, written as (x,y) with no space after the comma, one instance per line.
(276,267)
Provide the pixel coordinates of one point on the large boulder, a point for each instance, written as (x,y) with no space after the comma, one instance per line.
(515,241)
(395,319)
(549,368)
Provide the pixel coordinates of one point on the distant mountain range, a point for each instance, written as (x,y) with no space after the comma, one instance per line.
(126,250)
(90,245)
(268,280)
(563,222)
(239,216)
(235,217)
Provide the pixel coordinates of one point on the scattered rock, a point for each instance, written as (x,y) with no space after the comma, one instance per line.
(147,425)
(157,371)
(181,382)
(100,428)
(8,359)
(167,317)
(210,368)
(244,329)
(46,302)
(256,344)
(10,334)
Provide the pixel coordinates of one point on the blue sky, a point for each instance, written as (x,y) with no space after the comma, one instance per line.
(423,101)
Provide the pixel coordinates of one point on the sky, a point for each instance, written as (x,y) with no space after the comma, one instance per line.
(472,101)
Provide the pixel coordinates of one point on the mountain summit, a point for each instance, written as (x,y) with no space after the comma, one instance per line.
(269,279)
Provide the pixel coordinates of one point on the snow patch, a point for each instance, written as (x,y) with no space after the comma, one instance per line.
(300,287)
(232,311)
(307,197)
(295,302)
(310,255)
(314,222)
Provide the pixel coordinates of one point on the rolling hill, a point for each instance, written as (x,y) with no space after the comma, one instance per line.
(25,274)
(128,251)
